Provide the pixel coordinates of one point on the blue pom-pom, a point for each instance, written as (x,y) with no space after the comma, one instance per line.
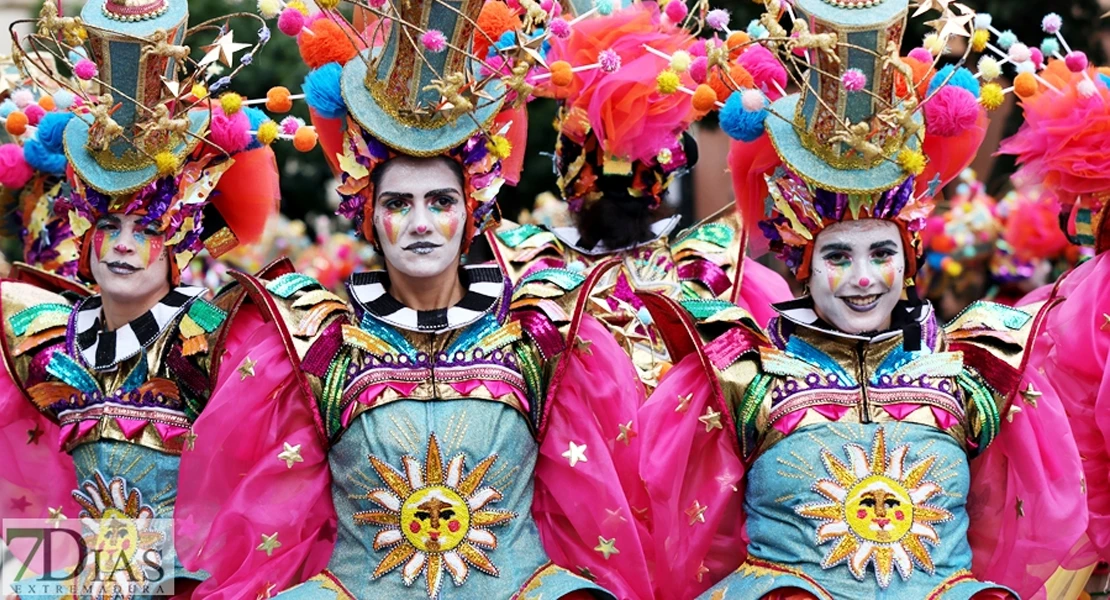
(74,56)
(741,124)
(51,130)
(756,30)
(42,159)
(1050,47)
(605,7)
(1007,39)
(257,118)
(1104,79)
(7,107)
(961,78)
(322,91)
(64,99)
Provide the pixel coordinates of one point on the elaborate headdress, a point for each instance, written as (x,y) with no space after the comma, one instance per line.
(146,138)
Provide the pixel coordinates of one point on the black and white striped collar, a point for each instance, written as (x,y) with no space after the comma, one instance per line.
(105,349)
(801,312)
(485,286)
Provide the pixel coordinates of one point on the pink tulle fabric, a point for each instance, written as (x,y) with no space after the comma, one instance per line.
(601,497)
(760,288)
(233,487)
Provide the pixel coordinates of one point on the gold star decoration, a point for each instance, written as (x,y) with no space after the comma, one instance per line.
(267,592)
(1020,507)
(1014,409)
(33,435)
(626,434)
(1105,322)
(587,573)
(575,454)
(290,454)
(702,571)
(684,403)
(56,516)
(223,50)
(190,441)
(711,419)
(924,6)
(606,547)
(641,514)
(246,369)
(951,25)
(696,512)
(1031,394)
(614,516)
(1083,485)
(269,544)
(728,480)
(583,347)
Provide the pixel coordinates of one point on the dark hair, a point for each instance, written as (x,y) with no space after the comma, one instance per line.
(379,171)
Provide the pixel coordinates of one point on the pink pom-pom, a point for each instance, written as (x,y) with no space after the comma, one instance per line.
(85,69)
(854,80)
(676,11)
(291,22)
(609,60)
(513,4)
(752,100)
(951,111)
(232,133)
(290,125)
(433,41)
(697,48)
(1020,53)
(376,3)
(765,69)
(717,19)
(1037,57)
(1086,88)
(14,170)
(495,64)
(23,97)
(1051,23)
(546,5)
(921,55)
(1076,61)
(560,28)
(551,7)
(699,69)
(34,113)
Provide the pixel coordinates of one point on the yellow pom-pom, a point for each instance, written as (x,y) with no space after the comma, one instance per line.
(298,5)
(667,82)
(199,91)
(991,96)
(934,44)
(680,61)
(499,147)
(231,103)
(1025,85)
(267,133)
(911,161)
(166,162)
(269,9)
(979,40)
(327,4)
(952,267)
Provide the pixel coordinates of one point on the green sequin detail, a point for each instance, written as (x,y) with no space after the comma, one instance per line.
(749,410)
(291,283)
(703,309)
(332,395)
(69,372)
(468,338)
(987,410)
(715,233)
(138,376)
(533,377)
(21,320)
(515,237)
(389,335)
(207,315)
(564,278)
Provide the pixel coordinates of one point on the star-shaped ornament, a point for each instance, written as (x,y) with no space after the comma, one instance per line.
(1020,507)
(627,433)
(190,441)
(269,544)
(247,368)
(606,547)
(575,454)
(1031,394)
(290,454)
(614,516)
(33,435)
(702,571)
(21,504)
(924,6)
(696,512)
(267,591)
(223,50)
(583,347)
(56,517)
(1105,322)
(951,25)
(711,419)
(684,403)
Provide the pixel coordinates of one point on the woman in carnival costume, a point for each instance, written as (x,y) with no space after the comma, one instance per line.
(101,389)
(389,449)
(833,456)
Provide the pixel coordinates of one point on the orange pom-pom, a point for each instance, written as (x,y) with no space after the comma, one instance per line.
(277,100)
(740,76)
(1025,85)
(561,75)
(327,43)
(16,123)
(922,76)
(705,98)
(495,19)
(735,43)
(305,139)
(47,103)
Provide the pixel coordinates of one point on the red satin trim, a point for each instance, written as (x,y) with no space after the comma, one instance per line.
(704,271)
(1001,376)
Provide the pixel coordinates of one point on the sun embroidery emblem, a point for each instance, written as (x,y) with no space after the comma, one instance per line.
(434,519)
(878,512)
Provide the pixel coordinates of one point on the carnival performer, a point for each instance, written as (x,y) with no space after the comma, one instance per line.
(100,390)
(833,456)
(389,449)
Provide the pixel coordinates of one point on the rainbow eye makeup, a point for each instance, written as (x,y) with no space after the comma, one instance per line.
(446,216)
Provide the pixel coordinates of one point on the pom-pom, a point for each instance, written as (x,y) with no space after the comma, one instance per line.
(51,131)
(705,99)
(378,4)
(680,61)
(854,80)
(85,69)
(23,97)
(911,161)
(41,159)
(322,91)
(1076,61)
(291,22)
(979,40)
(7,107)
(561,75)
(16,123)
(1051,23)
(989,68)
(495,19)
(559,28)
(231,132)
(664,156)
(47,103)
(231,103)
(34,113)
(166,162)
(718,19)
(1019,52)
(327,4)
(14,170)
(298,5)
(756,30)
(1006,39)
(950,112)
(198,91)
(1025,85)
(305,139)
(739,123)
(765,70)
(1050,46)
(604,7)
(1086,88)
(327,43)
(277,100)
(956,77)
(699,69)
(1036,57)
(499,147)
(269,8)
(1025,67)
(433,41)
(64,99)
(667,82)
(697,48)
(921,55)
(676,11)
(267,133)
(752,100)
(983,20)
(290,125)
(609,60)
(934,44)
(740,78)
(736,42)
(76,54)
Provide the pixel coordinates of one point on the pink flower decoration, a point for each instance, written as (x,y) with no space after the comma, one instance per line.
(854,80)
(85,69)
(434,41)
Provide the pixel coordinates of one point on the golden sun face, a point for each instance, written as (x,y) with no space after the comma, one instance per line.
(434,518)
(878,512)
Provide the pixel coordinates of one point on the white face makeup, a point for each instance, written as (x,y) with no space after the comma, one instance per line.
(419,217)
(857,274)
(129,261)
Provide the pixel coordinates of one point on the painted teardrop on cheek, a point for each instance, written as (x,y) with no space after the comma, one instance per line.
(102,242)
(447,221)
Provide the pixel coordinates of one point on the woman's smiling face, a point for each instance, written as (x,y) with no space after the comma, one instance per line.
(858,274)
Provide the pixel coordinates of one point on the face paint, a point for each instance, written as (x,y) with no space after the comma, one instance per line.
(393,218)
(125,262)
(102,242)
(446,218)
(857,274)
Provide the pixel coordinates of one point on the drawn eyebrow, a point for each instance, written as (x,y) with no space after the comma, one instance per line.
(395,195)
(884,244)
(837,246)
(442,192)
